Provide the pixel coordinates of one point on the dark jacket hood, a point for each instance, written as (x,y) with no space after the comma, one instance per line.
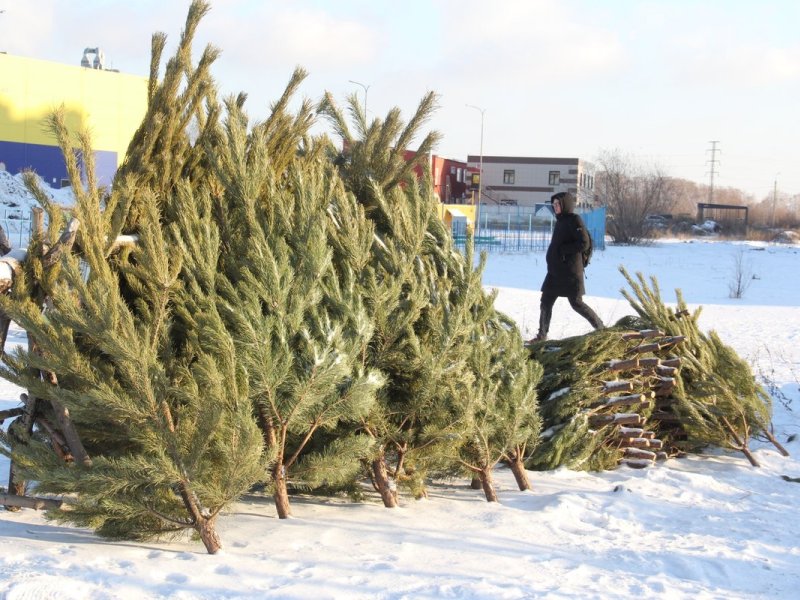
(567,199)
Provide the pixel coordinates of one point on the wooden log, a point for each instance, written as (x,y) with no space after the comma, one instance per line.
(645,348)
(666,371)
(638,400)
(673,361)
(627,400)
(615,387)
(14,501)
(630,432)
(661,456)
(641,442)
(664,392)
(638,442)
(627,364)
(668,342)
(639,453)
(649,362)
(644,334)
(617,419)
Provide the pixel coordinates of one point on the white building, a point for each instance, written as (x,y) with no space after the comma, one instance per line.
(527,181)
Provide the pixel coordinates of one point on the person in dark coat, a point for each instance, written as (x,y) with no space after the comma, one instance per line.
(565,265)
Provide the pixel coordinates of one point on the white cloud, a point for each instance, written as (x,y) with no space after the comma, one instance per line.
(537,39)
(288,36)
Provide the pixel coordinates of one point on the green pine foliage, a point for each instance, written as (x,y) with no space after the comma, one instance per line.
(298,333)
(714,398)
(721,399)
(132,344)
(281,312)
(431,317)
(571,384)
(181,111)
(498,415)
(162,410)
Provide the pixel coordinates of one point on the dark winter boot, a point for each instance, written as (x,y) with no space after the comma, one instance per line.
(539,337)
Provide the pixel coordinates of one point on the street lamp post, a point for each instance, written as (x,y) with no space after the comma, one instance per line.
(480,165)
(366,89)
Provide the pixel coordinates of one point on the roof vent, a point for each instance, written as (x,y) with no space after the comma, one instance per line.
(99,61)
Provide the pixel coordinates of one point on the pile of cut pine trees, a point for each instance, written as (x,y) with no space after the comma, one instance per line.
(653,386)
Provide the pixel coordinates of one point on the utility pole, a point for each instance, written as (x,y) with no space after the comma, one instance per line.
(713,162)
(480,166)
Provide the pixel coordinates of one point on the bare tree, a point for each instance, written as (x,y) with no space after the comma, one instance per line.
(631,191)
(742,275)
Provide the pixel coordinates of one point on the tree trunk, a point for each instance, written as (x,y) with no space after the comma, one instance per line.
(741,442)
(15,502)
(203,524)
(61,413)
(16,488)
(10,413)
(382,482)
(487,485)
(520,474)
(20,430)
(281,494)
(475,484)
(208,534)
(4,324)
(775,442)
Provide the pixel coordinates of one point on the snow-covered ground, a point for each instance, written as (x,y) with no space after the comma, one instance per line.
(16,202)
(702,527)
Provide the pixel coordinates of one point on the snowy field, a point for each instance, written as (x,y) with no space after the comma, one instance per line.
(702,527)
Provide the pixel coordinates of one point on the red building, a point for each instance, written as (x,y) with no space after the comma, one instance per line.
(450,179)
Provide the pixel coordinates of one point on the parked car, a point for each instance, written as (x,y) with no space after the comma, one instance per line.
(707,227)
(657,221)
(711,226)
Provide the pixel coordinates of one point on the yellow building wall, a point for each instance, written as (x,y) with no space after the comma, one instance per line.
(111,105)
(466,209)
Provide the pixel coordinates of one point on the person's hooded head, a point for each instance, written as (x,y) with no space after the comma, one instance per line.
(567,201)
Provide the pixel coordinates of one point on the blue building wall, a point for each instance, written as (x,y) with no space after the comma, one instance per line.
(595,221)
(48,162)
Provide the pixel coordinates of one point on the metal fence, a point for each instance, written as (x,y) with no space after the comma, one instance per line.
(17,226)
(524,228)
(498,228)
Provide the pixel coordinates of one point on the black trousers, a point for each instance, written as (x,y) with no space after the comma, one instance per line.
(577,304)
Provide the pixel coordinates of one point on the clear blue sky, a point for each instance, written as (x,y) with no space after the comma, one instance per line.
(656,79)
